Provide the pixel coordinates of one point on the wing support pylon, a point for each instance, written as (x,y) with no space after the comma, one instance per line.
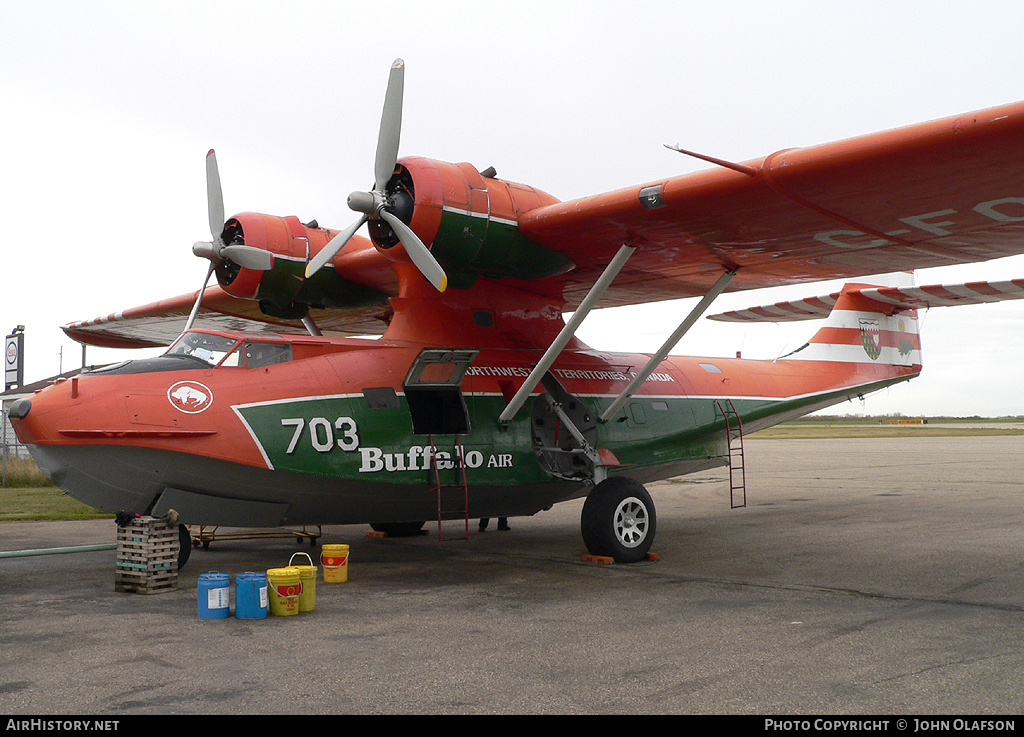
(567,332)
(699,309)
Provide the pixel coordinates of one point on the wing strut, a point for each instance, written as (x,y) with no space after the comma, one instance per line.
(553,351)
(657,358)
(311,327)
(199,301)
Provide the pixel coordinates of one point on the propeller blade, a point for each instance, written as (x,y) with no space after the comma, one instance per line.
(390,127)
(214,196)
(418,252)
(333,246)
(199,300)
(249,257)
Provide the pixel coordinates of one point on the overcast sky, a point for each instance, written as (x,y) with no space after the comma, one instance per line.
(109,109)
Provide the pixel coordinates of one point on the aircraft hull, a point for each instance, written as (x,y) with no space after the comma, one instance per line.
(214,492)
(332,431)
(310,457)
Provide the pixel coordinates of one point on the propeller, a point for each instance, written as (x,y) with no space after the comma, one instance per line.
(247,256)
(378,203)
(216,250)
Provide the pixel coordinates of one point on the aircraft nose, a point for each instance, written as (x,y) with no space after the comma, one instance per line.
(19,410)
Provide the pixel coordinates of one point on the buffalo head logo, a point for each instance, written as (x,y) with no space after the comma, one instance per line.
(190,397)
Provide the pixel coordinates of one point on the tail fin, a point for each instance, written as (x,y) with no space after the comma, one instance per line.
(862,329)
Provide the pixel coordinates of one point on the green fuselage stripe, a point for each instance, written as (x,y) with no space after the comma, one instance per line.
(342,437)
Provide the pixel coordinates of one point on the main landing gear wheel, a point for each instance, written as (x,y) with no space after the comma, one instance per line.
(618,520)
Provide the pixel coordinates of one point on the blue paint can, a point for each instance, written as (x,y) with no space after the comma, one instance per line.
(214,595)
(251,600)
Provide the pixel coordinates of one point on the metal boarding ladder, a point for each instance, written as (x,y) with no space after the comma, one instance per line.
(460,487)
(734,441)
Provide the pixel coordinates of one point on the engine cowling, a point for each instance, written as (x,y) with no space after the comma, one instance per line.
(283,291)
(469,221)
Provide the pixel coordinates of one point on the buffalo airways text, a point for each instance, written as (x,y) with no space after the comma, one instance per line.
(418,458)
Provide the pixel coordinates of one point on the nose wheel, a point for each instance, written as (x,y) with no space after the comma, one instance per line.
(618,520)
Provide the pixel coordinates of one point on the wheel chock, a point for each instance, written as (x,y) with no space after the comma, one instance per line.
(608,560)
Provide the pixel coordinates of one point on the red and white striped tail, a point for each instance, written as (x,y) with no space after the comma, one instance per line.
(863,330)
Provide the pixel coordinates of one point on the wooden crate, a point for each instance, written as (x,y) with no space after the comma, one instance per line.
(147,556)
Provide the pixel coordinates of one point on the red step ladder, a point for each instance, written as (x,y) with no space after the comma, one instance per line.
(447,504)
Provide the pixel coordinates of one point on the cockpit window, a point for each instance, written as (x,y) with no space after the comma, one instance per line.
(218,350)
(209,348)
(266,354)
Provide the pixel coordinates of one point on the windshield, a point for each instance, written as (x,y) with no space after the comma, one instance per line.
(209,348)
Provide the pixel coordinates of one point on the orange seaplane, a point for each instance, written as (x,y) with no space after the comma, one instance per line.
(477,399)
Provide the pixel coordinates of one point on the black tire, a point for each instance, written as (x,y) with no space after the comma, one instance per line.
(184,545)
(618,520)
(398,529)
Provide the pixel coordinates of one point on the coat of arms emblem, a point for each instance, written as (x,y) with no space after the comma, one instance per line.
(871,338)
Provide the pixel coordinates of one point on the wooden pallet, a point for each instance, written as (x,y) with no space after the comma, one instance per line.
(145,583)
(147,556)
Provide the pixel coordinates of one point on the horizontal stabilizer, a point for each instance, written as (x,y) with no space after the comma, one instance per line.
(899,299)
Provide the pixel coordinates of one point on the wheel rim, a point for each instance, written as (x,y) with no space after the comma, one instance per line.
(631,522)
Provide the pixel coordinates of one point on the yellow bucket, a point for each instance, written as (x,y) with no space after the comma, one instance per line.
(335,560)
(285,588)
(307,575)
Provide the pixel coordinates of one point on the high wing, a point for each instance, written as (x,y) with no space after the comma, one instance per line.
(160,323)
(933,194)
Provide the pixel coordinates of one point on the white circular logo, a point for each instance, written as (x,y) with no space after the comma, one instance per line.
(190,397)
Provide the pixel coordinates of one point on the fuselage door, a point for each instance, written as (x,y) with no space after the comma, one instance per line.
(433,389)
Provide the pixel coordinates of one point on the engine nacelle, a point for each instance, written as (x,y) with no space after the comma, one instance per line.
(469,221)
(283,291)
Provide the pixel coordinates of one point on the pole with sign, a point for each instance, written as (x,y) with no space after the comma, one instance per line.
(14,358)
